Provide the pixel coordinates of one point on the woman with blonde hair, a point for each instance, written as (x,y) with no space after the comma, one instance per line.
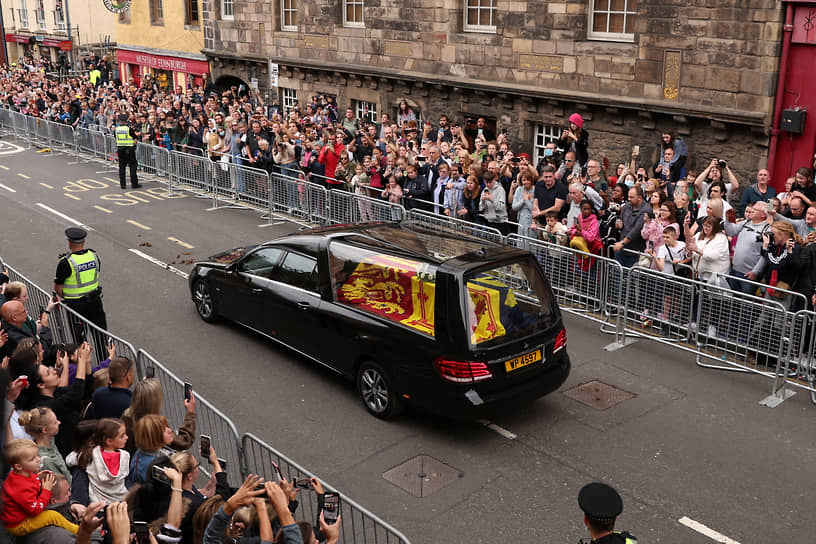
(188,466)
(781,250)
(42,424)
(147,399)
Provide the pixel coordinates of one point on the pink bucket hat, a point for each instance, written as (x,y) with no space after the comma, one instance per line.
(577,119)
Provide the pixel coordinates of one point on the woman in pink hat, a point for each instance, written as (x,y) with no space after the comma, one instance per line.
(575,139)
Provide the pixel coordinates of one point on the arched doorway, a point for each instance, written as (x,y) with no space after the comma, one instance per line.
(225,83)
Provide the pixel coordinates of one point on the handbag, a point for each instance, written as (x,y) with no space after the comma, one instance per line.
(644,261)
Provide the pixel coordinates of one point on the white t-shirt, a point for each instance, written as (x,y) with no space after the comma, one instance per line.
(670,254)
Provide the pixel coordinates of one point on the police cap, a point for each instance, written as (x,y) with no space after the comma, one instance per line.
(75,235)
(123,118)
(600,501)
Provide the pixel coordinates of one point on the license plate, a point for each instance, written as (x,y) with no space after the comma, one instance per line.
(523,360)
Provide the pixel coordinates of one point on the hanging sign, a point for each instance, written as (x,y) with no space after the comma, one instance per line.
(117,6)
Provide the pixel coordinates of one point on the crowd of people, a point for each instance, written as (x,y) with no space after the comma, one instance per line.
(655,211)
(87,455)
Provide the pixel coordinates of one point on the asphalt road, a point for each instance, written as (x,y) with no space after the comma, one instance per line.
(691,444)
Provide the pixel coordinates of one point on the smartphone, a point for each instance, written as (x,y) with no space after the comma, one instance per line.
(110,341)
(140,529)
(188,391)
(204,441)
(159,475)
(331,507)
(302,483)
(278,476)
(102,514)
(150,372)
(42,311)
(223,463)
(54,297)
(636,150)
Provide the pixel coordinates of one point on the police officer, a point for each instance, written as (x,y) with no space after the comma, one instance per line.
(602,505)
(77,279)
(126,147)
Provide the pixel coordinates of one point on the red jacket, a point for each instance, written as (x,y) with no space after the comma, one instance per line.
(330,156)
(23,497)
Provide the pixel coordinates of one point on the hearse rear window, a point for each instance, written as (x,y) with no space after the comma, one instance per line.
(395,288)
(508,302)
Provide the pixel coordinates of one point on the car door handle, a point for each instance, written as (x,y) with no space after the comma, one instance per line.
(257,290)
(303,305)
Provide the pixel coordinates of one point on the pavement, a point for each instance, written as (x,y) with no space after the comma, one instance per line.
(690,444)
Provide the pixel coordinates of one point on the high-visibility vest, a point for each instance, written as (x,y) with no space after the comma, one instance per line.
(84,278)
(123,138)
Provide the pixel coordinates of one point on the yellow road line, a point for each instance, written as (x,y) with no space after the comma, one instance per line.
(46,185)
(144,227)
(103,209)
(112,180)
(23,176)
(4,167)
(72,196)
(179,242)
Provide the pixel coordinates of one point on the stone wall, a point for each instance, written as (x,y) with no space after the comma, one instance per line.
(692,55)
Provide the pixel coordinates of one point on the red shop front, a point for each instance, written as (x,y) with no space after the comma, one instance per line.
(169,70)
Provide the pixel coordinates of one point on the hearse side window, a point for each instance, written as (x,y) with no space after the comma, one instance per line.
(299,271)
(262,263)
(399,289)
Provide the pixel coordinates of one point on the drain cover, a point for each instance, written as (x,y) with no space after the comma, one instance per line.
(598,395)
(422,475)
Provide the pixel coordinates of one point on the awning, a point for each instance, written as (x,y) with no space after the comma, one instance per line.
(63,45)
(18,38)
(163,62)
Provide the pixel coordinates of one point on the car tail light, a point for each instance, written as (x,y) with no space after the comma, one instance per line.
(462,371)
(560,341)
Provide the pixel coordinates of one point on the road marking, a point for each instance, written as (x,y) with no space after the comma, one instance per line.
(63,216)
(103,209)
(179,242)
(9,189)
(44,150)
(112,180)
(703,530)
(143,227)
(46,185)
(23,176)
(162,264)
(4,167)
(72,196)
(501,430)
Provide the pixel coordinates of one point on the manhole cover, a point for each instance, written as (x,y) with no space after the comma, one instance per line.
(598,395)
(422,475)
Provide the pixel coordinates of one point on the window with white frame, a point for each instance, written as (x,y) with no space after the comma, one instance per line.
(39,12)
(612,19)
(544,134)
(228,9)
(365,111)
(22,14)
(288,99)
(288,14)
(353,13)
(480,16)
(59,18)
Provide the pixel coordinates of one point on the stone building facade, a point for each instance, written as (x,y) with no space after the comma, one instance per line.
(703,68)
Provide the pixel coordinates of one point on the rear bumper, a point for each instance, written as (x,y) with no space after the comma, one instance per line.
(467,403)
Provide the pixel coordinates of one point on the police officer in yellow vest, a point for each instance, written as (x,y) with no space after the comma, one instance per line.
(126,148)
(602,505)
(77,279)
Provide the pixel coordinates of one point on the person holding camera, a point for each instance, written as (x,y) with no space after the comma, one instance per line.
(576,139)
(716,171)
(747,262)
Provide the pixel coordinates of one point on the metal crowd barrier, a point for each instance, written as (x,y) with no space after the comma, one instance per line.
(209,420)
(358,525)
(589,285)
(244,455)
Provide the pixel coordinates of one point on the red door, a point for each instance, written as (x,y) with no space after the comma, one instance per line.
(794,151)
